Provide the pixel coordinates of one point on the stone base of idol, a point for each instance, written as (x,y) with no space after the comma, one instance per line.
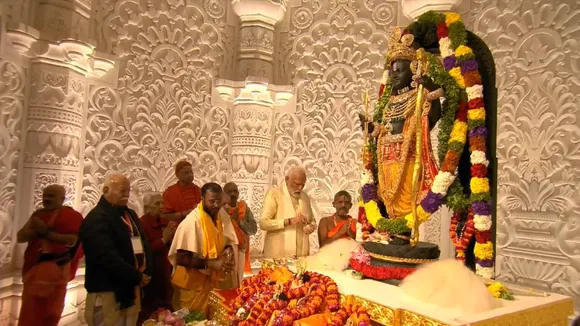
(390,305)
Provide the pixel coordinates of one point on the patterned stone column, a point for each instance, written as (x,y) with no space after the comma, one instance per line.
(45,83)
(256,53)
(254,102)
(253,105)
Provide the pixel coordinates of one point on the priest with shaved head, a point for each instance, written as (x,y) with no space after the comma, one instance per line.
(181,198)
(51,234)
(118,260)
(287,218)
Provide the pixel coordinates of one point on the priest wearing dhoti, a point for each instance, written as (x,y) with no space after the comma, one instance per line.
(287,218)
(202,251)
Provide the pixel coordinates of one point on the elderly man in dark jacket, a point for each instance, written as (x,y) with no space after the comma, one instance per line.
(117,257)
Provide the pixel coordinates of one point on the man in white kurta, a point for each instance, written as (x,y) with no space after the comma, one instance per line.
(201,251)
(287,218)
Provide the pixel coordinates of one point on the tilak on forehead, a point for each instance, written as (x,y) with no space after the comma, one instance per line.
(181,164)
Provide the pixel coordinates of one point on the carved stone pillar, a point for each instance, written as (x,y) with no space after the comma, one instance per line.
(256,53)
(45,63)
(254,105)
(415,8)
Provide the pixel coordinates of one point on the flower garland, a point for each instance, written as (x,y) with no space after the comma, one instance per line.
(261,299)
(460,62)
(462,242)
(467,100)
(350,311)
(444,178)
(361,262)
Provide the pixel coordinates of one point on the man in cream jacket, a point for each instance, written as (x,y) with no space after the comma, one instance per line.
(287,218)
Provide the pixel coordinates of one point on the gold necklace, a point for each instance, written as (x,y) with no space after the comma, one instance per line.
(399,108)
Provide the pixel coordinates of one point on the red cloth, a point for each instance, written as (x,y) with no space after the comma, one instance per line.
(67,222)
(158,293)
(45,311)
(178,198)
(38,310)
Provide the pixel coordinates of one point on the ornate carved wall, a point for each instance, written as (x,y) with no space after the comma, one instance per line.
(165,80)
(536,47)
(161,110)
(332,52)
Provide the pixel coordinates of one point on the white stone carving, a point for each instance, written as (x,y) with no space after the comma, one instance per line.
(336,53)
(162,110)
(12,86)
(538,146)
(415,8)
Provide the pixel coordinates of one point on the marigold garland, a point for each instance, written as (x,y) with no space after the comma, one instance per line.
(468,109)
(262,299)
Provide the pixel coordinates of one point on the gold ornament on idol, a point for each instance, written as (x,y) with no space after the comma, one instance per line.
(418,166)
(366,102)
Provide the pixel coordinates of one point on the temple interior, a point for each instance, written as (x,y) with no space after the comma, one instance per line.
(246,89)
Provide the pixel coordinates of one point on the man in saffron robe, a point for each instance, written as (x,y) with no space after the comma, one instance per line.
(51,232)
(287,218)
(181,198)
(202,251)
(159,233)
(340,225)
(244,224)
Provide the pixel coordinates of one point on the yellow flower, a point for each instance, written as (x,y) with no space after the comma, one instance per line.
(459,132)
(456,74)
(479,185)
(372,212)
(496,289)
(452,17)
(483,250)
(422,216)
(463,50)
(477,114)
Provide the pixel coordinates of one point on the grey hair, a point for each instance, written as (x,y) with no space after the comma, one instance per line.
(149,197)
(110,179)
(296,169)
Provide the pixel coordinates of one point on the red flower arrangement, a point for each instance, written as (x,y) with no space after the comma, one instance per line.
(379,272)
(350,310)
(462,242)
(261,300)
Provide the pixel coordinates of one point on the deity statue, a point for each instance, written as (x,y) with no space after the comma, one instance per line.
(394,131)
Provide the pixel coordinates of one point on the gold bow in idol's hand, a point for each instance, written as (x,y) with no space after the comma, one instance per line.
(366,101)
(418,166)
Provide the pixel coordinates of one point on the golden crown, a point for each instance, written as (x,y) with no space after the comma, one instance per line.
(400,46)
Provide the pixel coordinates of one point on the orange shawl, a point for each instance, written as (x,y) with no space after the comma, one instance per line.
(243,239)
(339,225)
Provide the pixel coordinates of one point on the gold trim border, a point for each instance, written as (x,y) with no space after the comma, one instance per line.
(552,314)
(401,260)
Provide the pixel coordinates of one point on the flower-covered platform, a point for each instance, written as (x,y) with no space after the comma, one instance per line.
(388,305)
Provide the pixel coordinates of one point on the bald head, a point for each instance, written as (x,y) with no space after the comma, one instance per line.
(53,197)
(296,180)
(232,193)
(116,189)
